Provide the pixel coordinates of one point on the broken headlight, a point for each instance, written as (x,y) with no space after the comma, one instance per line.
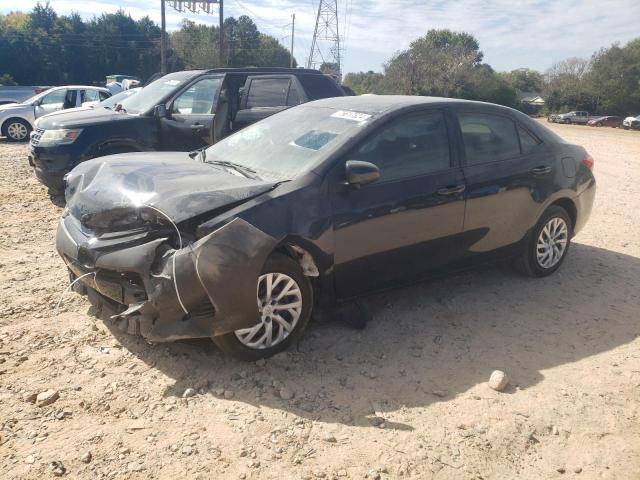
(61,136)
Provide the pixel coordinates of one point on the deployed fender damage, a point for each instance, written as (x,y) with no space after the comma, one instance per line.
(205,289)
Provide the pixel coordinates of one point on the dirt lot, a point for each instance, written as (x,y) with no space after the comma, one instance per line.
(405,398)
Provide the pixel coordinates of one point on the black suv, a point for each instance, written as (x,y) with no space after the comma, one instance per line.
(181,111)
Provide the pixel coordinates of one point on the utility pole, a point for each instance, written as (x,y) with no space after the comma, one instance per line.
(221,39)
(293,32)
(326,35)
(163,40)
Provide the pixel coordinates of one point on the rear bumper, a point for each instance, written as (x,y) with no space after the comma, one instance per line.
(584,205)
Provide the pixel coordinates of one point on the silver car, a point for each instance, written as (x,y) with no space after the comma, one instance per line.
(18,119)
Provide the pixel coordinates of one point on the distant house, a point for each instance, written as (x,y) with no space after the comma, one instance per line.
(531,101)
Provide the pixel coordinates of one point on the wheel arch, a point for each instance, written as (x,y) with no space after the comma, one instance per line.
(5,124)
(569,206)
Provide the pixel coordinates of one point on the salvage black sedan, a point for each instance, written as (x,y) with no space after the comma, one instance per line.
(320,203)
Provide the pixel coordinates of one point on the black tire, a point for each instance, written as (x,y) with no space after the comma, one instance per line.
(15,122)
(528,263)
(276,263)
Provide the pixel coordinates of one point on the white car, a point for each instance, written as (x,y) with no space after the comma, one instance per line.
(18,119)
(631,122)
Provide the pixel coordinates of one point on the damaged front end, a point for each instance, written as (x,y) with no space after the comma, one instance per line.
(204,289)
(138,265)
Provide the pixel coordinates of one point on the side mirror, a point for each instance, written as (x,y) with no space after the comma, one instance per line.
(160,111)
(361,173)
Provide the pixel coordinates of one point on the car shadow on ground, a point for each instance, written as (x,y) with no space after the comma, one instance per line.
(427,343)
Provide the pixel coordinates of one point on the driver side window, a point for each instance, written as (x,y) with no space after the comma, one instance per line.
(416,144)
(198,99)
(57,96)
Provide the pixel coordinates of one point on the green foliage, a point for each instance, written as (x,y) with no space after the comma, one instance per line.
(524,80)
(65,49)
(613,81)
(43,48)
(6,79)
(365,82)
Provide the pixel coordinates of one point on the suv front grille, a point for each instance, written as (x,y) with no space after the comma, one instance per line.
(36,136)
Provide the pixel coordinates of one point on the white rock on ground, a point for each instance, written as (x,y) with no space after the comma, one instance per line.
(498,380)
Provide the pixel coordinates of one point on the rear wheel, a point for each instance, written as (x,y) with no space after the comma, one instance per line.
(16,130)
(548,243)
(285,298)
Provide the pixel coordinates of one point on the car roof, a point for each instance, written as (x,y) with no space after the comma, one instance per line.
(84,87)
(374,104)
(266,70)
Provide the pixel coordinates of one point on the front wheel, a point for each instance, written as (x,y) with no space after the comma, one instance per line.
(548,243)
(285,300)
(17,130)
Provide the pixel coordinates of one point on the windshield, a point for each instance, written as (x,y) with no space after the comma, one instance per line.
(118,98)
(29,101)
(155,92)
(289,143)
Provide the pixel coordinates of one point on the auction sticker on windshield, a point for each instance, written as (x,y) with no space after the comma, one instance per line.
(353,116)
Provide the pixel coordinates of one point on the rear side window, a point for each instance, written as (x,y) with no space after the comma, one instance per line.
(407,147)
(528,141)
(488,138)
(319,86)
(268,92)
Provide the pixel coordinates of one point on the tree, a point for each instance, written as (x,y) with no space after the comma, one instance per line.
(365,82)
(614,79)
(440,64)
(565,88)
(524,80)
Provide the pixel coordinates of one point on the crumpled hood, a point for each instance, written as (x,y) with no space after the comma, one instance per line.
(108,188)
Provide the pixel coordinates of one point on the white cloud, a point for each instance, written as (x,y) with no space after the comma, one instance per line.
(528,33)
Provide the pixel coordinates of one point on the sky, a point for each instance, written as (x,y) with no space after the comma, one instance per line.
(512,34)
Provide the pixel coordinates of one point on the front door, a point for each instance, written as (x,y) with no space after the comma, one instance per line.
(395,230)
(189,121)
(509,174)
(52,101)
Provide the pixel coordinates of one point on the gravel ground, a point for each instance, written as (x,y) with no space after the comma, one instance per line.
(405,398)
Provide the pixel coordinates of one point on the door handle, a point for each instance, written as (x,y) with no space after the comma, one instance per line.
(543,170)
(445,191)
(197,126)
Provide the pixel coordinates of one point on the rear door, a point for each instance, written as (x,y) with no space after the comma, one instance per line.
(190,116)
(407,223)
(509,174)
(264,95)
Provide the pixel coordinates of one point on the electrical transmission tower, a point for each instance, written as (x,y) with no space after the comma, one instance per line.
(325,47)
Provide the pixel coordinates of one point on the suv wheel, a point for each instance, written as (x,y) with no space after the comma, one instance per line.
(548,243)
(285,299)
(16,130)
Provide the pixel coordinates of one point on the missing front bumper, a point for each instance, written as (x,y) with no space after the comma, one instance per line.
(205,289)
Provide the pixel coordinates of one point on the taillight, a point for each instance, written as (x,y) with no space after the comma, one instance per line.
(588,162)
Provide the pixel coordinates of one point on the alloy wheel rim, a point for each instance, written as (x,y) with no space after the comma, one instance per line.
(280,306)
(17,131)
(552,242)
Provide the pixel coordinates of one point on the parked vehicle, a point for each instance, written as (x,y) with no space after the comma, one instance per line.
(552,117)
(18,93)
(579,117)
(608,121)
(18,119)
(631,122)
(110,103)
(181,111)
(320,203)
